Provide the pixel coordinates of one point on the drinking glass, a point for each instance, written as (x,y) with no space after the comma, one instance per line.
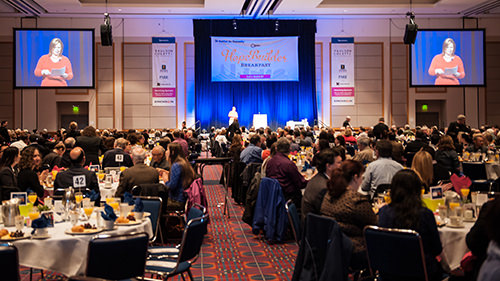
(34,215)
(19,222)
(73,217)
(32,197)
(115,204)
(88,208)
(78,197)
(100,176)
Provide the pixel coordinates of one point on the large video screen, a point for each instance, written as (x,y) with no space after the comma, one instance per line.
(54,58)
(450,58)
(236,59)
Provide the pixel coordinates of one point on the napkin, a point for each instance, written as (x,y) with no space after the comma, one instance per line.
(93,195)
(139,206)
(108,214)
(41,222)
(127,198)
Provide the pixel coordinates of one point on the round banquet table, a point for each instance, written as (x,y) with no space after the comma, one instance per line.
(65,253)
(454,246)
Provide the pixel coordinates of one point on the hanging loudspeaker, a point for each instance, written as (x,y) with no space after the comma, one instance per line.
(106,36)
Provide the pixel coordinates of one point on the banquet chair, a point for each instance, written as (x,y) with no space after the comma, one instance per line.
(192,240)
(153,205)
(293,217)
(477,173)
(395,254)
(197,211)
(103,250)
(9,267)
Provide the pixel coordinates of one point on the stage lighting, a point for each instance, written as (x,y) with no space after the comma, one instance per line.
(277,26)
(235,26)
(106,35)
(411,29)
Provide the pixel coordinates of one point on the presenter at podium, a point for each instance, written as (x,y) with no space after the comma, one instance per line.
(54,67)
(232,115)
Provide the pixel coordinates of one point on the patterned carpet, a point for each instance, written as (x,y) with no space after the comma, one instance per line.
(230,250)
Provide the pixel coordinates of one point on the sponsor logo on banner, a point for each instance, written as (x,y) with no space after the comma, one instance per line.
(255,59)
(342,71)
(164,72)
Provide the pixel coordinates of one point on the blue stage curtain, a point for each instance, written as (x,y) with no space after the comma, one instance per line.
(281,101)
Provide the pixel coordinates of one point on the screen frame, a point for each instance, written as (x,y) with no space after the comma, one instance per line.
(14,31)
(410,65)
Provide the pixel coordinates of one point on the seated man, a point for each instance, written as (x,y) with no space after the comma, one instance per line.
(285,171)
(137,174)
(326,161)
(477,145)
(65,162)
(365,153)
(158,158)
(77,176)
(118,156)
(381,170)
(253,152)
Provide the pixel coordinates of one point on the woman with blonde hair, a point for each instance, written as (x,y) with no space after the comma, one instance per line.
(54,61)
(422,165)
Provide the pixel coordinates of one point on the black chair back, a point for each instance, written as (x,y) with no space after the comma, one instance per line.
(152,190)
(153,205)
(9,265)
(293,217)
(117,257)
(395,254)
(475,171)
(192,239)
(381,188)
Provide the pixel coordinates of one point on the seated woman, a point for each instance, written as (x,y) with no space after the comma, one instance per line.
(181,175)
(422,165)
(8,174)
(28,178)
(406,211)
(350,209)
(447,157)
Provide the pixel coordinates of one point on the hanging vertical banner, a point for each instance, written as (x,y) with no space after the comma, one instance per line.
(164,71)
(342,70)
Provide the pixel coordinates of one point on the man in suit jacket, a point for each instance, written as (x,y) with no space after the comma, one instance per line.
(112,159)
(137,174)
(381,129)
(77,176)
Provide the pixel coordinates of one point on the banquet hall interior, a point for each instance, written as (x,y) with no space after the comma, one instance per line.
(275,134)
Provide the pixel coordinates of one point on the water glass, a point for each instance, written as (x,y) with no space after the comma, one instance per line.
(19,222)
(73,217)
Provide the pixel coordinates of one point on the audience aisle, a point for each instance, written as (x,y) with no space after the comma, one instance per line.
(230,251)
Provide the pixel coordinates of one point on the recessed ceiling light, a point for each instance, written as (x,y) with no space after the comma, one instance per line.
(345,11)
(119,9)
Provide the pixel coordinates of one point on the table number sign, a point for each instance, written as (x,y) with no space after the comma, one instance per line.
(79,181)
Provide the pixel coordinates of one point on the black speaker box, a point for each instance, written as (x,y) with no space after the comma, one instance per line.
(106,36)
(410,33)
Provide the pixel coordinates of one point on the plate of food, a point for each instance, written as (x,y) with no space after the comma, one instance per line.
(5,235)
(84,229)
(129,220)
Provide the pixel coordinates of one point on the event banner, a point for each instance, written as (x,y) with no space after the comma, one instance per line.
(342,70)
(255,59)
(164,72)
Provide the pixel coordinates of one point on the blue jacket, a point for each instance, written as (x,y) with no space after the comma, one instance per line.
(270,213)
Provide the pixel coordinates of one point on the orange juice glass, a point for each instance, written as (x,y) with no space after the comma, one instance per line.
(110,200)
(88,211)
(453,205)
(100,176)
(54,174)
(465,192)
(32,197)
(78,197)
(34,215)
(114,205)
(122,168)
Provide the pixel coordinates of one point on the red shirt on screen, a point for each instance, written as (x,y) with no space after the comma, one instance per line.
(439,62)
(46,63)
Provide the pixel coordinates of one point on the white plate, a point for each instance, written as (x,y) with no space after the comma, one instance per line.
(45,236)
(456,226)
(85,232)
(128,223)
(8,238)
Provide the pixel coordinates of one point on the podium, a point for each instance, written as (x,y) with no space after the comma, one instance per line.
(260,121)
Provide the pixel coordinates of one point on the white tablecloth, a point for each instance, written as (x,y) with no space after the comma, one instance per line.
(454,246)
(64,253)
